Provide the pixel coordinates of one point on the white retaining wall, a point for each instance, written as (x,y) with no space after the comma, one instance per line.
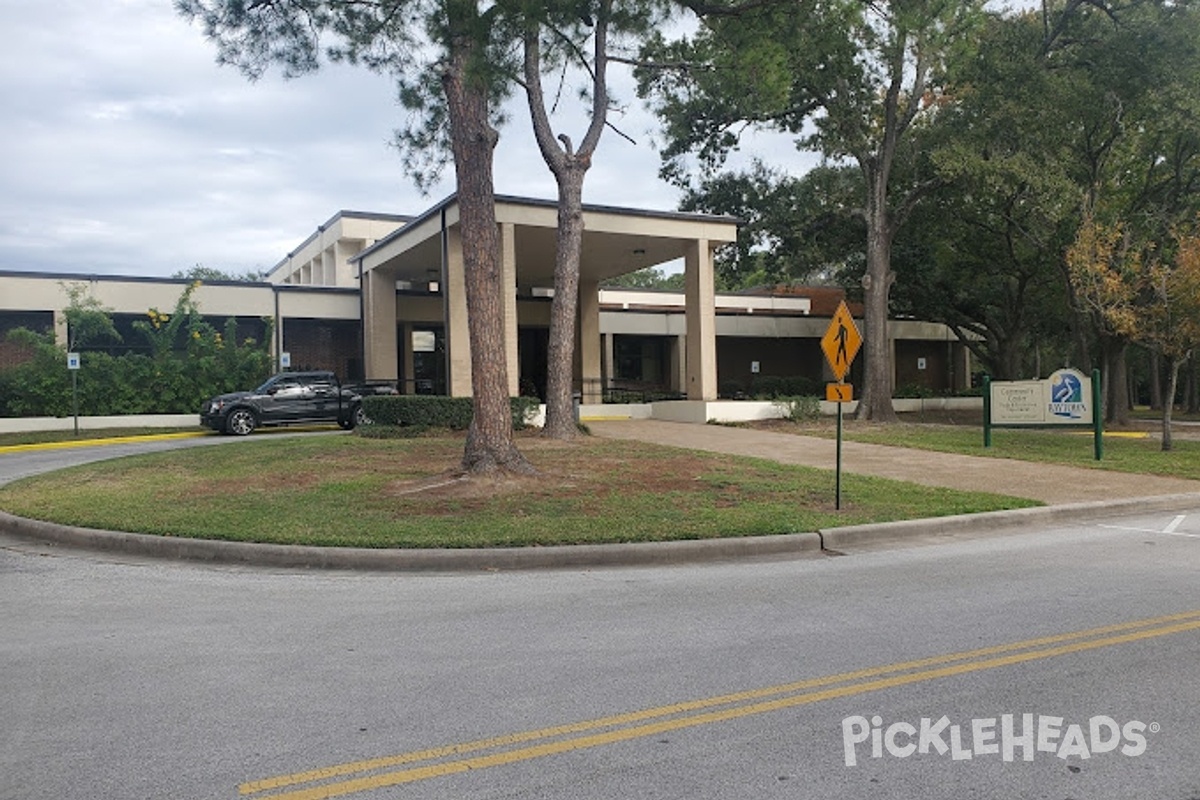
(22,424)
(695,411)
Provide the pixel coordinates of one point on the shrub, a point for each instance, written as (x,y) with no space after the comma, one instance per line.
(913,391)
(800,409)
(189,361)
(773,387)
(425,411)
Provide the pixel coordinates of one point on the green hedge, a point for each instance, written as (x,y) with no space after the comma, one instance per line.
(773,387)
(427,411)
(189,361)
(168,383)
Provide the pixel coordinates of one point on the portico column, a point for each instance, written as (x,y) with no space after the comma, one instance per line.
(409,384)
(379,326)
(609,359)
(891,345)
(458,336)
(701,321)
(677,360)
(508,302)
(589,340)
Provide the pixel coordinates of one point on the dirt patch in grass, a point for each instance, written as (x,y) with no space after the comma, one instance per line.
(582,472)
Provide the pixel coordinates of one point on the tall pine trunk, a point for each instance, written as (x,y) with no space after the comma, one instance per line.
(569,168)
(490,446)
(564,309)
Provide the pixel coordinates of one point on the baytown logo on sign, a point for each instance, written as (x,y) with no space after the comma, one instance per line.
(1066,395)
(995,736)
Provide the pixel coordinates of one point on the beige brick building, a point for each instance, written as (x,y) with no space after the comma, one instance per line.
(380,296)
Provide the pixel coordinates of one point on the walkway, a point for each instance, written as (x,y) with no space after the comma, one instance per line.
(1051,484)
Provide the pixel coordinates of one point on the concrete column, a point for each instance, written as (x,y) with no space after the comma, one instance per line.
(962,377)
(508,289)
(60,329)
(379,326)
(677,363)
(343,273)
(590,367)
(408,386)
(328,267)
(891,345)
(701,321)
(458,335)
(609,359)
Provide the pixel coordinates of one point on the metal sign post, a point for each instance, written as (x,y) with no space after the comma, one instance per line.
(73,365)
(840,344)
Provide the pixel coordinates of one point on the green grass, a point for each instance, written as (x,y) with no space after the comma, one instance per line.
(353,491)
(1121,453)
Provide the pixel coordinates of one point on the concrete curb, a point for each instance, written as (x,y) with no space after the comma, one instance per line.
(409,560)
(570,556)
(76,443)
(999,521)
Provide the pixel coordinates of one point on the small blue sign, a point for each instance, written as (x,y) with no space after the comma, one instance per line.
(1066,395)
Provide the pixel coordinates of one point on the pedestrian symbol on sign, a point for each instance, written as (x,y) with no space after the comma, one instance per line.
(841,342)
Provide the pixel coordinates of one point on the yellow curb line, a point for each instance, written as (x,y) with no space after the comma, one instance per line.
(151,437)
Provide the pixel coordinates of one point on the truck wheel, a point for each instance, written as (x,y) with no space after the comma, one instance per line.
(240,422)
(356,418)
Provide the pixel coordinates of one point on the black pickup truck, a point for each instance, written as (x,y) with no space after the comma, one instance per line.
(286,399)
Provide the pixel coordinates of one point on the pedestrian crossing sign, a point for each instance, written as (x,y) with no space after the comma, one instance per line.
(841,342)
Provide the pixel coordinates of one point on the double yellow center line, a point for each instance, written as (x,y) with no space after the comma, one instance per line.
(377,773)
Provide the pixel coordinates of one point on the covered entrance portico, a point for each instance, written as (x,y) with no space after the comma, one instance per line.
(415,277)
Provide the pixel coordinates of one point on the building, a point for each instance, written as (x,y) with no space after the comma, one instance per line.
(380,296)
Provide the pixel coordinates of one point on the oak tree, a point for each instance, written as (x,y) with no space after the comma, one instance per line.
(854,81)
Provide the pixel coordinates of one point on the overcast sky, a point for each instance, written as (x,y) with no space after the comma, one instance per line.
(127,150)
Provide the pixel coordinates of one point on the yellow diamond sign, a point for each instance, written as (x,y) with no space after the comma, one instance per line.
(841,342)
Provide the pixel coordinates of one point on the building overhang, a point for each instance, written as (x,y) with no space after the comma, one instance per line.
(616,241)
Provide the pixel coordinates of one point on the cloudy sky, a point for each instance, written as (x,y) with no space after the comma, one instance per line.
(127,150)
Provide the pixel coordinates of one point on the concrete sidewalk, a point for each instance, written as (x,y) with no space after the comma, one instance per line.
(1048,483)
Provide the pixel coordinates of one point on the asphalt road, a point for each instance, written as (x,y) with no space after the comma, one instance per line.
(140,679)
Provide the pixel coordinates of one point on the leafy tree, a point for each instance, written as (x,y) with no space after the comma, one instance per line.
(1171,324)
(190,362)
(865,78)
(448,64)
(982,253)
(796,228)
(1133,71)
(88,320)
(209,274)
(1150,298)
(648,278)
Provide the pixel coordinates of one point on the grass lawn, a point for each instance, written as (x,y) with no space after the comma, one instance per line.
(351,491)
(1124,451)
